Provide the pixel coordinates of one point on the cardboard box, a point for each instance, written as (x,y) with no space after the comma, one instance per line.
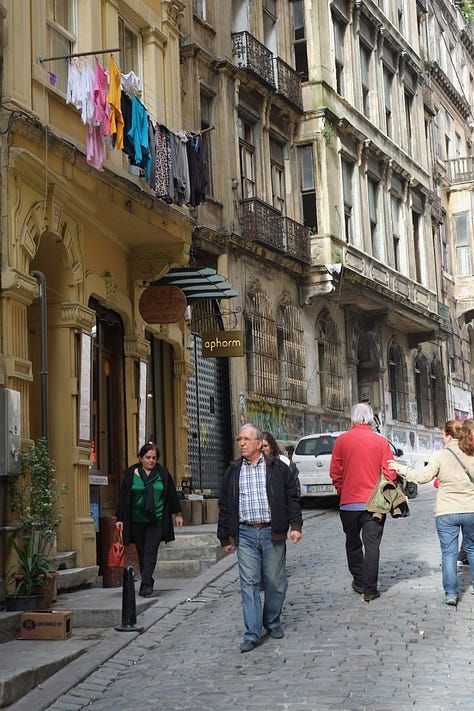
(46,624)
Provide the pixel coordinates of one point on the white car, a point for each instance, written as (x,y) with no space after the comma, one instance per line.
(312,457)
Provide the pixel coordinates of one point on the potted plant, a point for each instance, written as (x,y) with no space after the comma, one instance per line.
(34,503)
(31,578)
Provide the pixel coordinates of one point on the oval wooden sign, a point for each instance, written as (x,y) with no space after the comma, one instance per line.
(162,304)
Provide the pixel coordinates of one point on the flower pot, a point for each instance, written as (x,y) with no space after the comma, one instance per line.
(18,603)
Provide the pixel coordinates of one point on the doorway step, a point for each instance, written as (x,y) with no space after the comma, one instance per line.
(190,554)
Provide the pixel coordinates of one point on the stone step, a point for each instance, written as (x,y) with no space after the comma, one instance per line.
(182,568)
(192,552)
(188,539)
(75,578)
(66,559)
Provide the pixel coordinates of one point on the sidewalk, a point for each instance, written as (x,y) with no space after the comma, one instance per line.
(27,664)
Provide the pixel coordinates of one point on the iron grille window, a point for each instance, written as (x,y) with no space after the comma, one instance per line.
(398,383)
(331,379)
(291,350)
(423,391)
(261,347)
(438,393)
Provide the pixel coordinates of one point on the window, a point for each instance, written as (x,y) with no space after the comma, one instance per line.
(445,258)
(207,122)
(201,9)
(438,393)
(447,136)
(387,86)
(331,379)
(291,350)
(299,40)
(436,135)
(261,347)
(416,224)
(398,382)
(375,232)
(408,123)
(278,175)
(247,158)
(130,47)
(365,54)
(462,243)
(339,30)
(61,37)
(396,206)
(308,187)
(347,181)
(423,390)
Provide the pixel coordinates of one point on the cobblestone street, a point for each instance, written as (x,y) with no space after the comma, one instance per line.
(406,649)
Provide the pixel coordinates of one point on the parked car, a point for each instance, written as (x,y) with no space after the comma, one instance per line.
(312,457)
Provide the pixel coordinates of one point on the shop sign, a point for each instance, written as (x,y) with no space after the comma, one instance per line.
(222,344)
(162,304)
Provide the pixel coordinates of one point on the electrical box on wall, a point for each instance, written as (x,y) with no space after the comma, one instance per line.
(10,435)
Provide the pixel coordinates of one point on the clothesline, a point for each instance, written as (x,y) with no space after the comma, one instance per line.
(80,54)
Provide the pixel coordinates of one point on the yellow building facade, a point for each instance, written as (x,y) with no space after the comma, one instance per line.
(88,241)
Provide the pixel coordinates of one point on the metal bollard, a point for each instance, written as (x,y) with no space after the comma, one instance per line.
(129,607)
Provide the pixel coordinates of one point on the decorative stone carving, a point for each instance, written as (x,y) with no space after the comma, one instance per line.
(110,287)
(77,315)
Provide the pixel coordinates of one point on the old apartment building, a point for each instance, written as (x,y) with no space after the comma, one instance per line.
(333,236)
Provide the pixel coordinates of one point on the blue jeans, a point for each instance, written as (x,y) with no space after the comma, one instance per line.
(448,527)
(261,561)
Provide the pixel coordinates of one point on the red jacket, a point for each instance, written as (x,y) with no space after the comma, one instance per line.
(357,460)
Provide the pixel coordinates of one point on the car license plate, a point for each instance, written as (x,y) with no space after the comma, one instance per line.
(319,489)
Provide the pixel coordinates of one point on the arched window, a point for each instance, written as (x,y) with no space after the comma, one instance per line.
(438,393)
(423,390)
(398,382)
(261,346)
(291,350)
(331,380)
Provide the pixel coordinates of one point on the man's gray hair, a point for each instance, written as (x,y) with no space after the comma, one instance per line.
(362,414)
(257,432)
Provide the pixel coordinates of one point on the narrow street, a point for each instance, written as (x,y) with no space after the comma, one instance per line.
(407,649)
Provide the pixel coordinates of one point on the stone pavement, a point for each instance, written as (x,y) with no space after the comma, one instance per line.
(406,649)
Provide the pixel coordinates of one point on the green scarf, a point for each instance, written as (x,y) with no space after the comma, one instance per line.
(148,507)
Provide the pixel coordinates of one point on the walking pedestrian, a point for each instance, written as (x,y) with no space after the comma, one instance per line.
(357,460)
(270,447)
(147,501)
(454,510)
(258,503)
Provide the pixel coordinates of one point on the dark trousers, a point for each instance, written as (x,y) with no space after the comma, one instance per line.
(147,537)
(363,537)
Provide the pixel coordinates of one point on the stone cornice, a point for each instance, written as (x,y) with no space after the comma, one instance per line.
(20,286)
(77,315)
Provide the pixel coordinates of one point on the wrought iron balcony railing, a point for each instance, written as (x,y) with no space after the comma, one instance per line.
(262,223)
(288,83)
(251,54)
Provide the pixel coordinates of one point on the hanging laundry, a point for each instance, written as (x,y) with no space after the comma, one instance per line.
(80,88)
(136,133)
(101,115)
(161,185)
(179,175)
(114,100)
(197,170)
(130,82)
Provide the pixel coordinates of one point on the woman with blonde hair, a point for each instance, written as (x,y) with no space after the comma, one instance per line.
(454,509)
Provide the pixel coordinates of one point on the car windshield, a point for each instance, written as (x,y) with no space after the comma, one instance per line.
(315,446)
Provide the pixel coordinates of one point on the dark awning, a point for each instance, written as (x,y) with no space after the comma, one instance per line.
(198,283)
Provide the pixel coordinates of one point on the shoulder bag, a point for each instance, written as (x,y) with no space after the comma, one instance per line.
(461,464)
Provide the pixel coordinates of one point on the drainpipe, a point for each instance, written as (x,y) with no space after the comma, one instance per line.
(41,279)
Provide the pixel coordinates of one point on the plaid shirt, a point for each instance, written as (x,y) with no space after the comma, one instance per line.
(253,501)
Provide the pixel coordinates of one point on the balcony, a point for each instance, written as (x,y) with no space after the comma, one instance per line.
(252,55)
(460,170)
(262,223)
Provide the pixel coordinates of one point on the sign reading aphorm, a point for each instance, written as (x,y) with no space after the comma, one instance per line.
(222,344)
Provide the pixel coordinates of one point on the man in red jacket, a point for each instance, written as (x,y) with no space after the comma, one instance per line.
(358,458)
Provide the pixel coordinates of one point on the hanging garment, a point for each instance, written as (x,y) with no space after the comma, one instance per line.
(80,88)
(114,101)
(197,171)
(130,82)
(101,114)
(179,175)
(139,135)
(162,163)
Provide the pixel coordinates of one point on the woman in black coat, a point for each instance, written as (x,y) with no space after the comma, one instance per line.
(147,501)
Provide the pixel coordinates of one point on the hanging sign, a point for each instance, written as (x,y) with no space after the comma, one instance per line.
(222,344)
(162,304)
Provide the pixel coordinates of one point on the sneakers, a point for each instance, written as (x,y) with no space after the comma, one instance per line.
(357,588)
(451,600)
(276,632)
(248,644)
